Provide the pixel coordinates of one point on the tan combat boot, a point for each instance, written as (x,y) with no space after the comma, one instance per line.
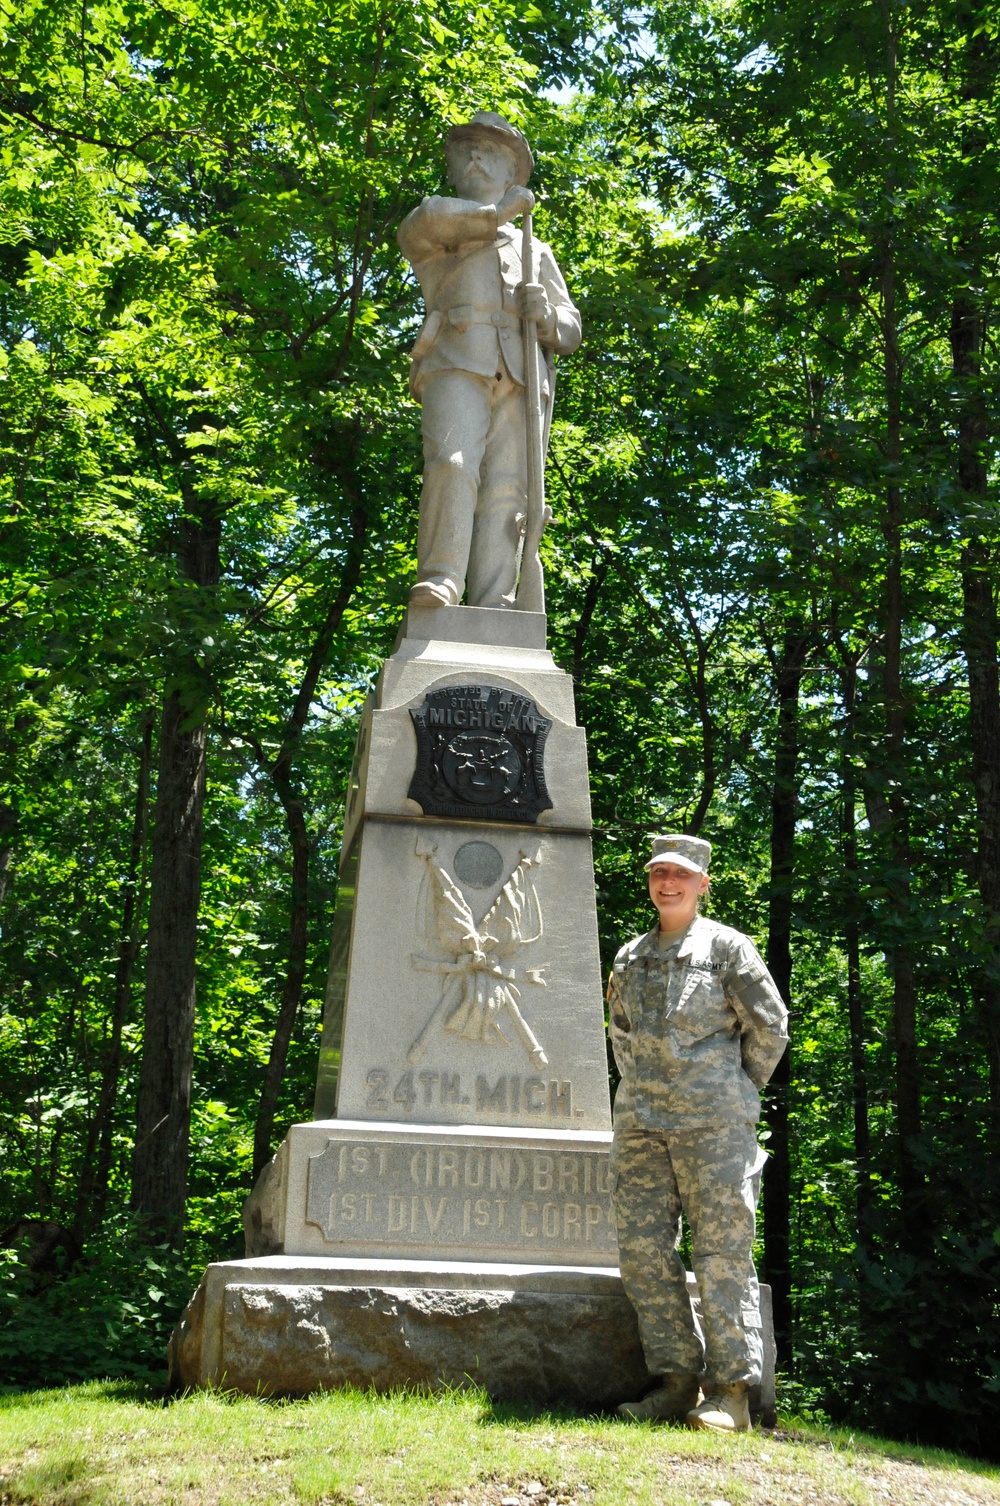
(670,1402)
(726,1409)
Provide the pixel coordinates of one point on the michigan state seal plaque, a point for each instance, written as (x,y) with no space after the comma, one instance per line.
(480,754)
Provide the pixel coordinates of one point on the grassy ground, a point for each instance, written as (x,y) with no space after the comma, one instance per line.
(110,1444)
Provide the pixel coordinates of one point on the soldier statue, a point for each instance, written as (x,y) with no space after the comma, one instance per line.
(697,1026)
(468,364)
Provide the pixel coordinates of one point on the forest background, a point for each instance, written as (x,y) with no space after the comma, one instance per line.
(770,572)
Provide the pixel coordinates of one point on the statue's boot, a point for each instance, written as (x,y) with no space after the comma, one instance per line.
(670,1402)
(726,1409)
(433,593)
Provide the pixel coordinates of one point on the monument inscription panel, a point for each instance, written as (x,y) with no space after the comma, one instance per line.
(480,754)
(514,1200)
(490,1099)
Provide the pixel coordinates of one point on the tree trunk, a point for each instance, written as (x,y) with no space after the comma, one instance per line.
(904,1004)
(8,831)
(163,1111)
(280,772)
(93,1189)
(852,942)
(777,1186)
(979,641)
(904,1009)
(163,1118)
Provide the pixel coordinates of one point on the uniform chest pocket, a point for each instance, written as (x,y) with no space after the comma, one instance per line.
(632,979)
(701,1008)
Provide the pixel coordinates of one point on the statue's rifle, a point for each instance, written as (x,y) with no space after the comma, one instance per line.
(531,585)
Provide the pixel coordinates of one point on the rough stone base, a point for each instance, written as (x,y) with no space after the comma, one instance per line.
(547,1335)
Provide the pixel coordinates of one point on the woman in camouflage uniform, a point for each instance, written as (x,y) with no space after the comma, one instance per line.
(697,1027)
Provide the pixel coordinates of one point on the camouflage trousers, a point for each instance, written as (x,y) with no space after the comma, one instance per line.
(712,1176)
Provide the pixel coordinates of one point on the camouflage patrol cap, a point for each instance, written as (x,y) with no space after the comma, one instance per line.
(489,123)
(689,852)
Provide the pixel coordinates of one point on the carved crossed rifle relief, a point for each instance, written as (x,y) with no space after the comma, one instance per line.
(480,991)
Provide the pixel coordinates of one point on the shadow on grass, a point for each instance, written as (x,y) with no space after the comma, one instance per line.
(132,1392)
(60,1478)
(506,1414)
(806,1434)
(511,1413)
(128,1392)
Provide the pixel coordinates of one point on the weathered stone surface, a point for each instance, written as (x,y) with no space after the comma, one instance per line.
(546,1335)
(186,1349)
(537,1346)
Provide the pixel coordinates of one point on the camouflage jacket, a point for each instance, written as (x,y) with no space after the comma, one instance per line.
(697,1032)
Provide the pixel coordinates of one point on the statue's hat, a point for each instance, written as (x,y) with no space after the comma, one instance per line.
(690,852)
(489,123)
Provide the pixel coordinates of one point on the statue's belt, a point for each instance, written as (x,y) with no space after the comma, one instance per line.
(462,318)
(465,315)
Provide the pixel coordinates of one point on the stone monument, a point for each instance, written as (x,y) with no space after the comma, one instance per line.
(446,1215)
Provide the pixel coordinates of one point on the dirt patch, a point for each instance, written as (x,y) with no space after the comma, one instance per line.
(760,1482)
(518,1493)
